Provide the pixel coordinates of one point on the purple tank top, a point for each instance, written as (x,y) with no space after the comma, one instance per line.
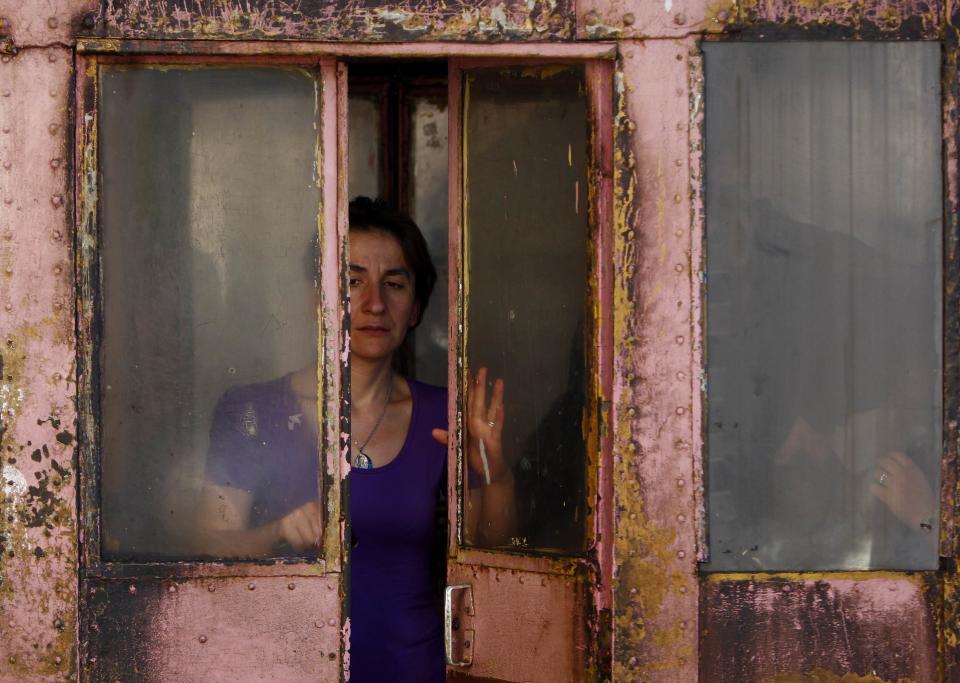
(395,616)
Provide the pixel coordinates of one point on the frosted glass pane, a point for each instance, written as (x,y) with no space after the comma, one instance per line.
(824,234)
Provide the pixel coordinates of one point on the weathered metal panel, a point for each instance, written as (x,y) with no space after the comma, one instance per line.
(864,19)
(38,530)
(628,19)
(236,629)
(34,23)
(777,629)
(507,602)
(357,20)
(656,370)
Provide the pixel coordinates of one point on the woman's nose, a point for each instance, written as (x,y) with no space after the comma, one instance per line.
(373,301)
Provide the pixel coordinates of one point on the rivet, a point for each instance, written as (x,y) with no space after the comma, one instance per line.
(52,22)
(211,588)
(681,518)
(53,128)
(12,659)
(57,200)
(633,591)
(679,162)
(58,659)
(131,589)
(680,483)
(681,410)
(51,57)
(681,554)
(631,411)
(683,589)
(683,625)
(58,624)
(8,235)
(680,125)
(318,623)
(8,200)
(632,661)
(5,59)
(6,129)
(8,306)
(202,639)
(680,91)
(332,656)
(681,376)
(57,269)
(8,270)
(679,19)
(628,19)
(679,233)
(722,15)
(6,93)
(54,163)
(592,17)
(7,165)
(88,21)
(57,235)
(679,339)
(633,515)
(291,586)
(58,304)
(53,93)
(677,198)
(678,267)
(171,589)
(787,588)
(632,552)
(679,58)
(331,622)
(251,586)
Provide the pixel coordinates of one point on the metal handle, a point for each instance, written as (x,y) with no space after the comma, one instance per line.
(448,623)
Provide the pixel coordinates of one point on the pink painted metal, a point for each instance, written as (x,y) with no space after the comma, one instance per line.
(883,628)
(44,24)
(38,526)
(632,19)
(656,371)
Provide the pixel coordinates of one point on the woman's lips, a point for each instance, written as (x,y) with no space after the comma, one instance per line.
(373,330)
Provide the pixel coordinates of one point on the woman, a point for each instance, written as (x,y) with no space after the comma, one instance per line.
(398,459)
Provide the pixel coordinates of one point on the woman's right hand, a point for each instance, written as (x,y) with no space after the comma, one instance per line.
(300,528)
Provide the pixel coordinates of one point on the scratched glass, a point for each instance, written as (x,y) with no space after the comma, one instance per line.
(824,239)
(527,226)
(363,145)
(428,207)
(208,356)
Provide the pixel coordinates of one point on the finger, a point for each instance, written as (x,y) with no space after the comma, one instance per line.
(496,401)
(902,460)
(480,400)
(890,464)
(881,492)
(313,514)
(470,396)
(305,530)
(440,436)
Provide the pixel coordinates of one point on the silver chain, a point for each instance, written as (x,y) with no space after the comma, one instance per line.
(379,419)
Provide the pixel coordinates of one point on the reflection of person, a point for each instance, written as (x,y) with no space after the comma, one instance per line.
(262,485)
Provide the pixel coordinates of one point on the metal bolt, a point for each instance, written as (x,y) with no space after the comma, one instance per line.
(8,200)
(6,129)
(58,659)
(677,199)
(681,518)
(679,339)
(57,269)
(628,19)
(332,656)
(53,128)
(681,410)
(251,586)
(57,200)
(683,589)
(679,19)
(291,586)
(787,588)
(678,267)
(54,163)
(332,622)
(680,483)
(5,59)
(53,93)
(52,22)
(681,376)
(211,588)
(679,233)
(7,165)
(8,235)
(172,589)
(681,554)
(51,57)
(202,639)
(8,307)
(6,93)
(8,270)
(632,661)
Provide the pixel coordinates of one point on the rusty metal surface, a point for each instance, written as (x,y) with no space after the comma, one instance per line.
(359,20)
(865,19)
(507,603)
(779,628)
(237,629)
(32,23)
(656,385)
(38,531)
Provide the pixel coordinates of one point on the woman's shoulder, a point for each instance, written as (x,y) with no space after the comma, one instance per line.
(260,395)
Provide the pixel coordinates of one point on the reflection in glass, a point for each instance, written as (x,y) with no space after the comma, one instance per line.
(824,305)
(364,145)
(208,358)
(428,208)
(527,226)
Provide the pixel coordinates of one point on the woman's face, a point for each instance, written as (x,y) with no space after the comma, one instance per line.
(382,302)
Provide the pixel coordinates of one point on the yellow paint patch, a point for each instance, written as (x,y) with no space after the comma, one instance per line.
(823,676)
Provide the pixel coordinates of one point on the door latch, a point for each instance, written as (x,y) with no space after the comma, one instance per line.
(451,623)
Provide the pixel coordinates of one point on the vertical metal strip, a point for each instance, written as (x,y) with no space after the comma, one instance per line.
(456,316)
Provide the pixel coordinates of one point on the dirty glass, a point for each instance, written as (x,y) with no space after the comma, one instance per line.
(526,224)
(824,234)
(208,366)
(363,145)
(428,208)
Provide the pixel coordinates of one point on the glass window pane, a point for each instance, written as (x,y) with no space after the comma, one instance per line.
(364,145)
(208,359)
(823,194)
(527,227)
(428,208)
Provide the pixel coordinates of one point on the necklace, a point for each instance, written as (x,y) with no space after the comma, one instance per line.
(363,461)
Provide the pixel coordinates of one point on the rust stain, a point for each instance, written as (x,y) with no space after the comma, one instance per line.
(822,676)
(345,20)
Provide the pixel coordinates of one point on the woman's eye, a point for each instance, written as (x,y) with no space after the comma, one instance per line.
(395,285)
(355,282)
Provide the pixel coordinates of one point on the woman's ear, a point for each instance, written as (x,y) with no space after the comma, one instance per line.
(414,315)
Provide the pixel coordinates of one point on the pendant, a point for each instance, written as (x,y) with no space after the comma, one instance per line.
(363,461)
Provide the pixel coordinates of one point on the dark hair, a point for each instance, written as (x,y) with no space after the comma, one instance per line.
(369,215)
